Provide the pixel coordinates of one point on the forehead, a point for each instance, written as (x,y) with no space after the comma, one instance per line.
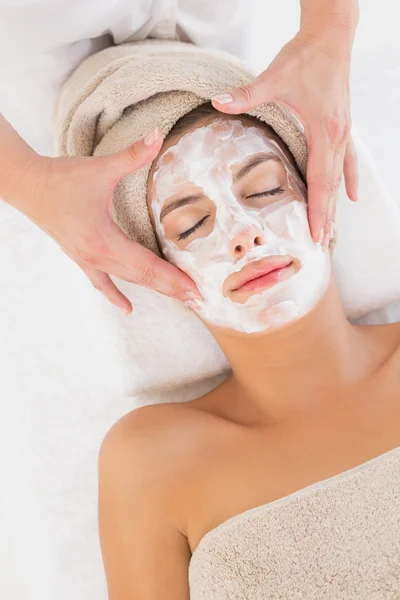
(216,120)
(223,140)
(212,148)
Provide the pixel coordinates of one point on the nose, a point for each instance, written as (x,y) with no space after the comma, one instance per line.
(245,241)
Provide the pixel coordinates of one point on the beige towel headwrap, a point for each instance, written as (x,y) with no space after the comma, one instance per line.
(118,95)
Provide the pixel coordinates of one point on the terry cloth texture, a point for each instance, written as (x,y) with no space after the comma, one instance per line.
(118,95)
(338,539)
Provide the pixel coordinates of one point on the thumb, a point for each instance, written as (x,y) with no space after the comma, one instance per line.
(243,98)
(135,156)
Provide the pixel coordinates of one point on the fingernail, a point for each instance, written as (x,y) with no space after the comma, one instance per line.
(325,243)
(321,236)
(192,304)
(223,99)
(188,296)
(193,295)
(151,137)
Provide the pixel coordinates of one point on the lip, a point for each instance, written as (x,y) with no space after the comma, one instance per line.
(261,274)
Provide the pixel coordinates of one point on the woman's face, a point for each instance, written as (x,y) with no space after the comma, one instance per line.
(229,209)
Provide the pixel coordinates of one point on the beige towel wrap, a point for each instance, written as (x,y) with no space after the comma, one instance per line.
(118,95)
(338,539)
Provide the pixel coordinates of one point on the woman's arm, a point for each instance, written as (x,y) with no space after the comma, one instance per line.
(17,164)
(146,557)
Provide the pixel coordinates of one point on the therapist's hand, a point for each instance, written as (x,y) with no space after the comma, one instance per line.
(70,198)
(311,77)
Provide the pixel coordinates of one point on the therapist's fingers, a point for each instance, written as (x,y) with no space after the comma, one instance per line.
(345,163)
(126,259)
(142,267)
(350,169)
(134,263)
(103,283)
(332,204)
(246,97)
(322,187)
(133,157)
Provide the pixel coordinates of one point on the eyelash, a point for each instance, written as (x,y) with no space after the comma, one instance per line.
(186,234)
(274,192)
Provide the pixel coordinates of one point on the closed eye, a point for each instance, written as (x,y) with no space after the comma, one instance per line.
(274,192)
(186,234)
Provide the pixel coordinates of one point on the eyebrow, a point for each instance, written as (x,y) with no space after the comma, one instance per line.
(254,162)
(181,202)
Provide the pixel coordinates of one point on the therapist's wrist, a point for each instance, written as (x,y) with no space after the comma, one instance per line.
(329,25)
(22,170)
(337,12)
(25,183)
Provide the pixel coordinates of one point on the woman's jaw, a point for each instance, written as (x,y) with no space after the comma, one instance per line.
(298,371)
(272,335)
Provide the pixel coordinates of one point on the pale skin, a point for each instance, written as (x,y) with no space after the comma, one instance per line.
(305,402)
(70,198)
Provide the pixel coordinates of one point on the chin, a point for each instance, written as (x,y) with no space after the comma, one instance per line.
(270,306)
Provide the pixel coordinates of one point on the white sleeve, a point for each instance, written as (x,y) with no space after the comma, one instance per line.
(41,43)
(220,24)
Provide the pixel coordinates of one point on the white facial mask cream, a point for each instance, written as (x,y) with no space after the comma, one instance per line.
(241,235)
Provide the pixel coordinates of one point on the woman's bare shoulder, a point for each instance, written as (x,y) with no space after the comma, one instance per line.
(167,437)
(159,421)
(385,335)
(141,521)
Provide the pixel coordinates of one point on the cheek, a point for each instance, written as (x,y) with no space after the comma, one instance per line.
(207,260)
(277,223)
(290,224)
(196,266)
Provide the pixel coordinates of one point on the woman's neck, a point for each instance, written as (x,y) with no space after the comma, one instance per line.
(304,367)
